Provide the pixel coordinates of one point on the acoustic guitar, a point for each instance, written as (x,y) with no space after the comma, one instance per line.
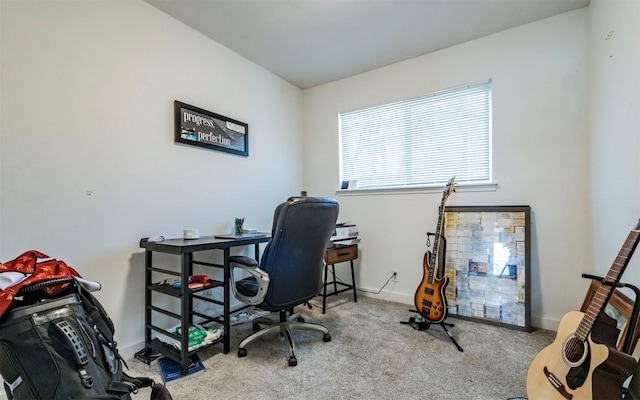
(575,366)
(430,300)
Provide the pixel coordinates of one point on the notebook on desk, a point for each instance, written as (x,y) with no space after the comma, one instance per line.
(240,236)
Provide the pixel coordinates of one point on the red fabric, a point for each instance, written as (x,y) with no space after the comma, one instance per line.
(27,263)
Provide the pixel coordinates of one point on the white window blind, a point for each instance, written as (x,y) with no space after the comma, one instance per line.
(420,141)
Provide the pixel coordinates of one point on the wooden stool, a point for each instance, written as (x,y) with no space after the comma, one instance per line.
(333,256)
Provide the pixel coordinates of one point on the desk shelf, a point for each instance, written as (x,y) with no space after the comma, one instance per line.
(177,292)
(173,353)
(185,250)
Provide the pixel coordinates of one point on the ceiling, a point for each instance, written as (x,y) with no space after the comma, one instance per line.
(311,42)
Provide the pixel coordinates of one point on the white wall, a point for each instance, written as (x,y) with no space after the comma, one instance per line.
(540,155)
(615,130)
(88,160)
(86,106)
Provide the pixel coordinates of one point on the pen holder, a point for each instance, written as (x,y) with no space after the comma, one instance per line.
(238,224)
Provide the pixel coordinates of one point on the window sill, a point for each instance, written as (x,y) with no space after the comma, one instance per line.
(459,187)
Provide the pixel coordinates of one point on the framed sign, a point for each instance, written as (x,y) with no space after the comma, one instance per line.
(487,260)
(203,128)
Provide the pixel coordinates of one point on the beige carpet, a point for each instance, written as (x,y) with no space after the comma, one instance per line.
(371,356)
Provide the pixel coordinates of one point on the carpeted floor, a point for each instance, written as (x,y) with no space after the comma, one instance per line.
(371,356)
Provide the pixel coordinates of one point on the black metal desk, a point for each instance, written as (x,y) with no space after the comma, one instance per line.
(185,248)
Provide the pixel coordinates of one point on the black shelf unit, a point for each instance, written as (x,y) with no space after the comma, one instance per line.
(186,249)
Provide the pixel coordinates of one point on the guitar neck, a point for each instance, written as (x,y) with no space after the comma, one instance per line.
(433,257)
(602,295)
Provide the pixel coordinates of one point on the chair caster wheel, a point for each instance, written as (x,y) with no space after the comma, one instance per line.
(256,327)
(242,352)
(293,361)
(326,337)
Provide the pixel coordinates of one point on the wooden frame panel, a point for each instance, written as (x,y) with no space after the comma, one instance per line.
(488,263)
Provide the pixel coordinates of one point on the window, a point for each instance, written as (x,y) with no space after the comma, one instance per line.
(420,141)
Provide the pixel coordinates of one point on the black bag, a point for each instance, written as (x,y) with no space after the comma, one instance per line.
(61,348)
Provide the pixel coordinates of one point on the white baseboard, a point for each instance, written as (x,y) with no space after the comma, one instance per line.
(546,323)
(129,352)
(388,296)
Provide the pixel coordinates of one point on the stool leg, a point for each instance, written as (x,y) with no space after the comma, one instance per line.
(353,280)
(324,290)
(335,284)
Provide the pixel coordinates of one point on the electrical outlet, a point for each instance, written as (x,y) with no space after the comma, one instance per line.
(395,275)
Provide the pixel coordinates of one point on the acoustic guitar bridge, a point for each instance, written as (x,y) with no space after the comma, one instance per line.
(555,382)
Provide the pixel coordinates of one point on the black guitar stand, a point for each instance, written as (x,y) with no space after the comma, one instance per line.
(417,322)
(633,320)
(424,325)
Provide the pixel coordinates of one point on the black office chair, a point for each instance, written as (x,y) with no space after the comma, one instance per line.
(290,270)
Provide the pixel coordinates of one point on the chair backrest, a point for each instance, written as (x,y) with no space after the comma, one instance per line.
(302,228)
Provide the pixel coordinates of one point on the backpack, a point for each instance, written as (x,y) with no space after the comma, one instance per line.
(56,343)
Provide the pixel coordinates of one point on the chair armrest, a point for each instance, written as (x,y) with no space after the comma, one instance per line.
(244,260)
(262,278)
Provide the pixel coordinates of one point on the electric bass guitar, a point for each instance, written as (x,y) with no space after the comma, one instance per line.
(430,299)
(576,367)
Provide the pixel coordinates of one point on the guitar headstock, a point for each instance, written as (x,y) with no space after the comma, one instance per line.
(449,188)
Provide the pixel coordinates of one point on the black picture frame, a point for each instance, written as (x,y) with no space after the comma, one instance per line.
(488,262)
(198,127)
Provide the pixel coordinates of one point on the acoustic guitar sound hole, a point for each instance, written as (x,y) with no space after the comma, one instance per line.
(574,351)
